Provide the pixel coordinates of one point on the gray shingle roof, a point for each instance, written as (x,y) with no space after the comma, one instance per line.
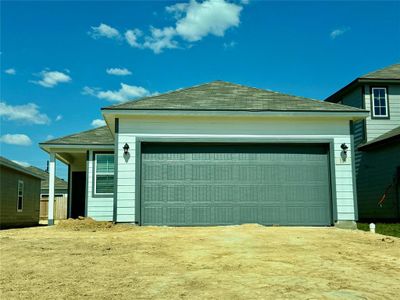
(97,136)
(390,135)
(225,96)
(60,184)
(10,164)
(389,72)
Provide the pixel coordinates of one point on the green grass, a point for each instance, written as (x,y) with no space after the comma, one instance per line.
(392,229)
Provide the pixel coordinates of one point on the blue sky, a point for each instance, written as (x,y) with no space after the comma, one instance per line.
(61,62)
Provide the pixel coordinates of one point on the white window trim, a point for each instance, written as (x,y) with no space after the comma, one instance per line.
(373,102)
(95,175)
(20,182)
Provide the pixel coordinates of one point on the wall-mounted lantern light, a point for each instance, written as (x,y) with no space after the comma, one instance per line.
(344,151)
(126,148)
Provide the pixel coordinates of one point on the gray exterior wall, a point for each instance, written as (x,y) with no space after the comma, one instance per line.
(377,171)
(9,217)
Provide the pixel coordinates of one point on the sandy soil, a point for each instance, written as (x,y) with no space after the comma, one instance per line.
(235,262)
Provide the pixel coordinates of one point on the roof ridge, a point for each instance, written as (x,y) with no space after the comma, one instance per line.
(378,70)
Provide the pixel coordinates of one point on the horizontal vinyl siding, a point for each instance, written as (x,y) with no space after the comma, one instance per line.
(98,207)
(217,127)
(377,127)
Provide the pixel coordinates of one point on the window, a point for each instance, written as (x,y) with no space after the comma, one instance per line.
(379,103)
(104,173)
(20,198)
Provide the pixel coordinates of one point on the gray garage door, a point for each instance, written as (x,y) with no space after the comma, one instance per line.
(221,184)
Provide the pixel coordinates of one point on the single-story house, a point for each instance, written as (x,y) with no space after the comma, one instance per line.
(214,154)
(19,195)
(60,195)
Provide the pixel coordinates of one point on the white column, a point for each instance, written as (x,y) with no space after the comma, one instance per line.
(52,174)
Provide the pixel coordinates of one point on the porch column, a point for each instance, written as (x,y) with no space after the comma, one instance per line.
(52,174)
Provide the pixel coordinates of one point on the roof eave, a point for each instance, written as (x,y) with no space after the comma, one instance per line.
(380,143)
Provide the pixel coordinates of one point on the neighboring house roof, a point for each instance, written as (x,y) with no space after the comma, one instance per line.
(226,96)
(12,165)
(388,137)
(60,184)
(388,74)
(97,136)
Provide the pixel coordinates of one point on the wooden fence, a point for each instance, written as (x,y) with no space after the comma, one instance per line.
(60,207)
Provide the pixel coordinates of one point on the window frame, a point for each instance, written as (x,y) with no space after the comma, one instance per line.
(20,183)
(95,173)
(373,116)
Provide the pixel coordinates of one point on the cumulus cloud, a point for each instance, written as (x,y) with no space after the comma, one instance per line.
(10,71)
(22,163)
(125,93)
(28,113)
(161,39)
(98,123)
(131,36)
(59,118)
(50,79)
(118,71)
(338,32)
(208,17)
(104,30)
(193,21)
(16,139)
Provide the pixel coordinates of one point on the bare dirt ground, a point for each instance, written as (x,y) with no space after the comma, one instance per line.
(76,260)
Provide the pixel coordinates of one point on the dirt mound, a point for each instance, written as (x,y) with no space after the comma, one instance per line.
(89,224)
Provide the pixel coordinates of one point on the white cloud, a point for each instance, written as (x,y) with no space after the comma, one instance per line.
(118,71)
(22,163)
(194,21)
(160,39)
(28,113)
(52,78)
(104,30)
(16,139)
(10,71)
(132,36)
(98,123)
(208,17)
(338,32)
(229,45)
(125,93)
(59,118)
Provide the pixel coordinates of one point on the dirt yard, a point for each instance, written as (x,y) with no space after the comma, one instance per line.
(237,262)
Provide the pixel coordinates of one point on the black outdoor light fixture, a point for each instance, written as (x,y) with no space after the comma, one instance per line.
(126,148)
(344,151)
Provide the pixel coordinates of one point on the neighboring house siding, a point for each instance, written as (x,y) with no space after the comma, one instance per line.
(355,99)
(9,217)
(98,207)
(232,127)
(377,171)
(376,126)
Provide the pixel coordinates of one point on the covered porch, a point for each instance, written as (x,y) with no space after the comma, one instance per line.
(79,152)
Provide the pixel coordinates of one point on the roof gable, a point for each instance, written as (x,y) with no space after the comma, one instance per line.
(225,96)
(389,72)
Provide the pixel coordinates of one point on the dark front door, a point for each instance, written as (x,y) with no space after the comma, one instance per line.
(78,194)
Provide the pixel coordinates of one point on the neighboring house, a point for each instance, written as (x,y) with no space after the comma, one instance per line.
(19,195)
(377,141)
(60,196)
(214,154)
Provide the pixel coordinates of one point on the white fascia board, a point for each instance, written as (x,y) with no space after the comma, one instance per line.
(73,148)
(112,114)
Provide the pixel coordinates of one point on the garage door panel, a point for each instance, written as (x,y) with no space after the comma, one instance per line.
(207,184)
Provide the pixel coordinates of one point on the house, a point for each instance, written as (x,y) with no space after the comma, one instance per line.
(214,154)
(376,140)
(60,195)
(19,195)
